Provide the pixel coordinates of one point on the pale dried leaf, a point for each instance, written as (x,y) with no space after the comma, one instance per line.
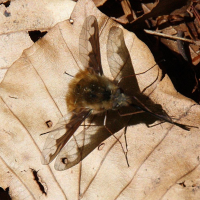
(33,92)
(22,16)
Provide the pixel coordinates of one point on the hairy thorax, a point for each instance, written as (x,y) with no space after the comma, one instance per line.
(91,91)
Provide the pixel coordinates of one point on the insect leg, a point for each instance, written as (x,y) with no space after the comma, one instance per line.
(125,152)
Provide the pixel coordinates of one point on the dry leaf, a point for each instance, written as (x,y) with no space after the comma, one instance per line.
(164,159)
(163,7)
(99,2)
(20,17)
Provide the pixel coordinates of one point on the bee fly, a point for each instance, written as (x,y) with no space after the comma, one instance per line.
(90,92)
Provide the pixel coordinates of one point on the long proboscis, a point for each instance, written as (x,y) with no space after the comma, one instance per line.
(161,117)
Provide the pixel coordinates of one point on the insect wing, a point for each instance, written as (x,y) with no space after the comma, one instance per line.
(62,132)
(80,146)
(117,53)
(89,49)
(71,154)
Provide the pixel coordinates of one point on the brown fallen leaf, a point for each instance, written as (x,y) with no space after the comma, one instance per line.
(162,7)
(161,157)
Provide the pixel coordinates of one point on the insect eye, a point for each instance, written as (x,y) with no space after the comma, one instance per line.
(119,91)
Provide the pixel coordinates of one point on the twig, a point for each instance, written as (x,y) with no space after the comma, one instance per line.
(169,36)
(126,6)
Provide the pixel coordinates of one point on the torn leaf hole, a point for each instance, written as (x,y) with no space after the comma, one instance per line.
(6,4)
(49,123)
(182,184)
(4,194)
(38,181)
(101,146)
(36,35)
(64,160)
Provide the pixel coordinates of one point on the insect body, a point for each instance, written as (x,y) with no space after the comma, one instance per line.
(89,92)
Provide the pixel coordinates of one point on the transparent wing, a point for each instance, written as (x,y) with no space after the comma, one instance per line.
(89,50)
(80,146)
(117,54)
(120,63)
(60,135)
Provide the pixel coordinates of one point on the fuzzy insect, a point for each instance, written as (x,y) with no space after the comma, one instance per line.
(90,93)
